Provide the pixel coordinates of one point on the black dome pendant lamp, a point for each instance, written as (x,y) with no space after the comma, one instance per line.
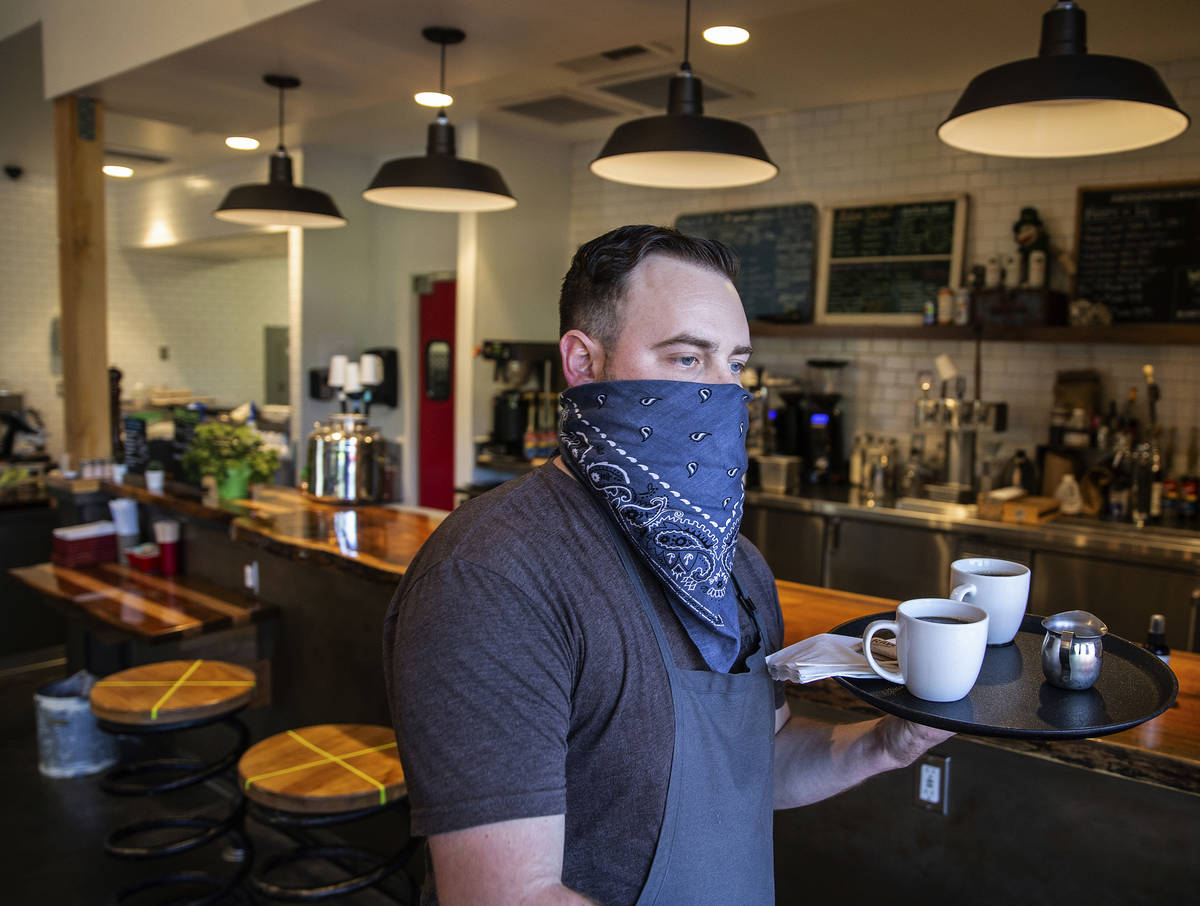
(440,181)
(1065,102)
(684,149)
(279,201)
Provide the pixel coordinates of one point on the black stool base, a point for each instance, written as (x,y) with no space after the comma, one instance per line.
(158,776)
(218,891)
(376,867)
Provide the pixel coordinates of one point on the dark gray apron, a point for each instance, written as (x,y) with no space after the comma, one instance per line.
(715,843)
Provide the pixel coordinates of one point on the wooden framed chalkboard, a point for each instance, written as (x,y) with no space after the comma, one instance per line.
(1139,251)
(881,261)
(777,246)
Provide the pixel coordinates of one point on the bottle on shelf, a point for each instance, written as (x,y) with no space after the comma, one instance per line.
(1140,480)
(1156,638)
(1156,481)
(1188,482)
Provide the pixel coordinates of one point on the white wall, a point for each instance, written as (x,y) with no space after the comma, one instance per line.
(887,150)
(29,297)
(357,291)
(511,264)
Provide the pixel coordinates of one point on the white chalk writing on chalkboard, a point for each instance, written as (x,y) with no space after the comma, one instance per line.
(881,261)
(777,248)
(1138,249)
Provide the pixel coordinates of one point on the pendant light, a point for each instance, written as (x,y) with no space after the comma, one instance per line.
(440,181)
(1065,102)
(684,149)
(279,201)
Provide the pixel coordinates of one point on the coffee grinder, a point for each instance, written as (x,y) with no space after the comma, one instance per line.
(531,377)
(821,433)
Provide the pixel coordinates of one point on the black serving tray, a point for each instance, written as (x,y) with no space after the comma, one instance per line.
(1011,698)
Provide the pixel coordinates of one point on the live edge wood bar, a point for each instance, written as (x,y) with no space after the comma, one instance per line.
(329,572)
(1019,810)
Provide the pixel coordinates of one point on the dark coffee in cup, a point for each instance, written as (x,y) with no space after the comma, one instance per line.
(942,620)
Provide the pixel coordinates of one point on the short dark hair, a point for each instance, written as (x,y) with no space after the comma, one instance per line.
(593,290)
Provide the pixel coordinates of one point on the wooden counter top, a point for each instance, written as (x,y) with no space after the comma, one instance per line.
(147,607)
(1165,750)
(376,541)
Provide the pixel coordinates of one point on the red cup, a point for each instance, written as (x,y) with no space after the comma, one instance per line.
(169,552)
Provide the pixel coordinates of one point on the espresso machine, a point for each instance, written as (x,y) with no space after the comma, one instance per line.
(525,407)
(962,421)
(808,422)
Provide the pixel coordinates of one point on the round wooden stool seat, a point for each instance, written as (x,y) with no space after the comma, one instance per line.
(324,769)
(172,692)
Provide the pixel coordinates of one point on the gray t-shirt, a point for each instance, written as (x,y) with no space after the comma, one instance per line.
(525,680)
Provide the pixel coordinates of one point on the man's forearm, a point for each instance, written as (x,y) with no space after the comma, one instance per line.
(815,760)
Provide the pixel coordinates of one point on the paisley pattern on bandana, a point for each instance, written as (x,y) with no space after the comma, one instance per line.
(667,459)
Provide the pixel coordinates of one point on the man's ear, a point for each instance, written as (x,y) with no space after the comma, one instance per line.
(582,358)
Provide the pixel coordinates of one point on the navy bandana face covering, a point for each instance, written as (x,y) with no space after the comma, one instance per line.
(667,457)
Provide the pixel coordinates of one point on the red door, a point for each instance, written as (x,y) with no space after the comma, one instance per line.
(435,439)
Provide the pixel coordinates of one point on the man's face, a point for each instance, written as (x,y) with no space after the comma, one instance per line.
(681,322)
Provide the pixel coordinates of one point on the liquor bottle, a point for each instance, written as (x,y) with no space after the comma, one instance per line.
(1139,486)
(1129,419)
(1156,638)
(1156,480)
(1188,482)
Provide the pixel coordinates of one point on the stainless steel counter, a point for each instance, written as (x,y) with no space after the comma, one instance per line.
(1179,548)
(1118,572)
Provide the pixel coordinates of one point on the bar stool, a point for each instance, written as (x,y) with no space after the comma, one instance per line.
(316,777)
(161,699)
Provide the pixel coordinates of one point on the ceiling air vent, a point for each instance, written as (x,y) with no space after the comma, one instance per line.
(652,91)
(616,59)
(560,110)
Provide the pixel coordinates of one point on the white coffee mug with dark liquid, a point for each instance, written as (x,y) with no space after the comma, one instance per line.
(940,644)
(1001,587)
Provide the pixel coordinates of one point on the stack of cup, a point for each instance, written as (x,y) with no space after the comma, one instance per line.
(166,533)
(125,517)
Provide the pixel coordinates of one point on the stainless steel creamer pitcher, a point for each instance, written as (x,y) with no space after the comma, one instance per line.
(1073,649)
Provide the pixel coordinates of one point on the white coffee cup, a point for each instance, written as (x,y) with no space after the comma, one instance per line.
(940,644)
(1001,587)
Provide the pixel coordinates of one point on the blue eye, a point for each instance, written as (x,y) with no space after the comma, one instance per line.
(737,367)
(687,361)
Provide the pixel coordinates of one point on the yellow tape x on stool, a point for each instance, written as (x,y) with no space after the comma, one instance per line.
(318,776)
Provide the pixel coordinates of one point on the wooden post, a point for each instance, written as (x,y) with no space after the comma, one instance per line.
(82,277)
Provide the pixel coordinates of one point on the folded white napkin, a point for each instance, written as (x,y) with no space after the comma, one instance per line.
(826,655)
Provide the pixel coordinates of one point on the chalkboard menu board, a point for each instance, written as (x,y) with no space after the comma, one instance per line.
(880,262)
(137,449)
(185,428)
(777,246)
(1139,251)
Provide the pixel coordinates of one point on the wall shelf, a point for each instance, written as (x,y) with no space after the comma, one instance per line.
(1132,334)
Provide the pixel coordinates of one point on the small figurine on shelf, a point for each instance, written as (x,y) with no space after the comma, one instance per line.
(1030,234)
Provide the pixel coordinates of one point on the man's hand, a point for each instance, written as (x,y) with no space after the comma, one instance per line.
(906,741)
(815,760)
(508,863)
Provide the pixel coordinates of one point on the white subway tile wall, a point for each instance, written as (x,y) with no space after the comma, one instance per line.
(202,311)
(29,296)
(885,150)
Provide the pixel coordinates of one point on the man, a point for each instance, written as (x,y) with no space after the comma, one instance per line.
(575,660)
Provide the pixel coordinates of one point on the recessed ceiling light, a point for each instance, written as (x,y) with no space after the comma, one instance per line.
(726,34)
(115,170)
(241,143)
(433,99)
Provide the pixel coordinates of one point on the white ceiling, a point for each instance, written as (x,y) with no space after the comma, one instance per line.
(361,60)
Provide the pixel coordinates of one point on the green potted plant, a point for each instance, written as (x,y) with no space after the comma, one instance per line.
(233,455)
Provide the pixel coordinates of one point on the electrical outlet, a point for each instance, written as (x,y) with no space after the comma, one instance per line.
(932,785)
(250,576)
(164,352)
